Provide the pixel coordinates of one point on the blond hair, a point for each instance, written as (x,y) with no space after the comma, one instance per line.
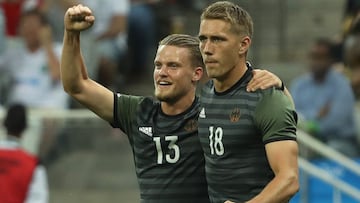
(186,41)
(238,17)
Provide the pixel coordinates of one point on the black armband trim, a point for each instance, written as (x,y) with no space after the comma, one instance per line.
(115,122)
(284,138)
(282,88)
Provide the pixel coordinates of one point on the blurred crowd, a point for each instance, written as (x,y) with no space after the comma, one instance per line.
(326,97)
(118,49)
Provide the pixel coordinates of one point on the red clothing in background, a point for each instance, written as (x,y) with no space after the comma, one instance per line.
(12,12)
(16,171)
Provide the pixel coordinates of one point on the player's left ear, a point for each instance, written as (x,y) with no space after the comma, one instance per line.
(244,45)
(197,74)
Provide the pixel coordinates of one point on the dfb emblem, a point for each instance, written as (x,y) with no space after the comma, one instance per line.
(191,125)
(235,115)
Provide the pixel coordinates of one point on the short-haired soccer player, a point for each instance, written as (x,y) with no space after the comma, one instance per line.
(248,138)
(168,157)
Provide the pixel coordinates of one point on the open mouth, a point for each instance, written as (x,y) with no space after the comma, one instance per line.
(164,83)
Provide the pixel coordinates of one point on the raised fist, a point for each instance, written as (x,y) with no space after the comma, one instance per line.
(78,18)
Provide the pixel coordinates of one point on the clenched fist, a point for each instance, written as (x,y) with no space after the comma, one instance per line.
(78,18)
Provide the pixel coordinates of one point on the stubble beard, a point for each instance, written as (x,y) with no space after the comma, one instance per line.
(168,98)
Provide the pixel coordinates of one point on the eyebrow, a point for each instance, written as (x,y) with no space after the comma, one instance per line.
(167,62)
(211,37)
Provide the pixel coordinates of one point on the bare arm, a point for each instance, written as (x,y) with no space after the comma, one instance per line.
(282,156)
(73,71)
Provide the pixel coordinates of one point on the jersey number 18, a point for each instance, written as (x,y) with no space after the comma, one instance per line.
(215,140)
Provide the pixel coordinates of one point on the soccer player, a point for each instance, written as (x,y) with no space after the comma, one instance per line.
(163,134)
(248,138)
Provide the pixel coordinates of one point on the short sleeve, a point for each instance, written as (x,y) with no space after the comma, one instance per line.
(125,109)
(275,117)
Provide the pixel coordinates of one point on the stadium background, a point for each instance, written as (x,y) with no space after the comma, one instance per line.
(88,161)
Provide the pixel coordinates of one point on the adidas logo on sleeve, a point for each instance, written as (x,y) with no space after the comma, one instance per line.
(146,130)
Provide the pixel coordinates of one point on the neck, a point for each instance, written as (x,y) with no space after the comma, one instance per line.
(178,107)
(231,78)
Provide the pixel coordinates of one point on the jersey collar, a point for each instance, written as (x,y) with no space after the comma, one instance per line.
(195,102)
(239,82)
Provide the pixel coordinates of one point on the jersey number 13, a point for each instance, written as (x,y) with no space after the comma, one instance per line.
(172,146)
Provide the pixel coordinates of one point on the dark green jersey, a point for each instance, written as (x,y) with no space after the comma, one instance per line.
(168,157)
(234,127)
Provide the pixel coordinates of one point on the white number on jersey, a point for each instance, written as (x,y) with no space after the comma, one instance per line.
(215,138)
(171,146)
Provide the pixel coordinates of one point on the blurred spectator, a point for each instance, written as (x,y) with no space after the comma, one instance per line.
(13,9)
(352,60)
(352,8)
(22,178)
(34,65)
(110,34)
(2,48)
(54,11)
(2,33)
(158,18)
(325,101)
(352,53)
(141,18)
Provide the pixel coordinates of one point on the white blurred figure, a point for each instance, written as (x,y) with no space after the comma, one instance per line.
(110,35)
(34,66)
